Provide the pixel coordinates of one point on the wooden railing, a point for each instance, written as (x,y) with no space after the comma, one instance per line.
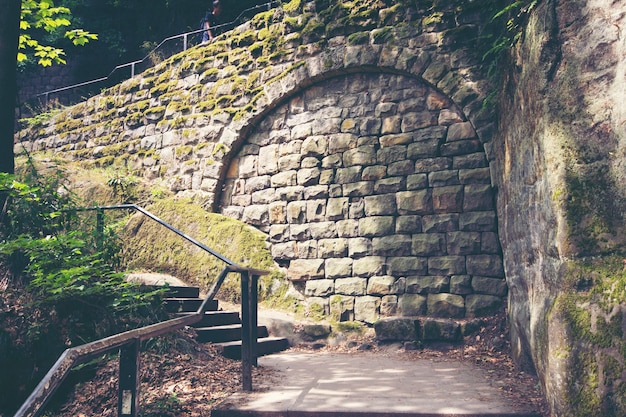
(128,342)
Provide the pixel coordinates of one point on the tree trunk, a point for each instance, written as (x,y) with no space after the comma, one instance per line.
(9,35)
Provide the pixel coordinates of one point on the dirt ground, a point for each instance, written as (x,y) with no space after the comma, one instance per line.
(189,379)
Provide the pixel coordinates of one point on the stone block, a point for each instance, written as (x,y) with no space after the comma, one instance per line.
(308,176)
(292,193)
(338,267)
(478,305)
(332,248)
(289,162)
(461,284)
(268,160)
(478,197)
(401,168)
(416,182)
(256,215)
(427,284)
(316,210)
(316,331)
(395,329)
(414,202)
(337,208)
(432,164)
(380,205)
(460,131)
(316,192)
(296,212)
(374,173)
(342,308)
(351,286)
(441,223)
(407,265)
(485,265)
(463,243)
(439,330)
(283,251)
(389,305)
(428,244)
(393,245)
(278,233)
(388,155)
(473,160)
(264,196)
(448,199)
(299,232)
(376,226)
(357,189)
(347,228)
(322,230)
(461,147)
(305,269)
(389,185)
(423,149)
(341,142)
(443,178)
(359,247)
(409,224)
(306,249)
(284,179)
(332,161)
(257,183)
(382,285)
(411,305)
(396,139)
(348,175)
(475,176)
(314,146)
(366,309)
(445,305)
(477,221)
(363,155)
(489,286)
(319,287)
(446,265)
(369,266)
(418,120)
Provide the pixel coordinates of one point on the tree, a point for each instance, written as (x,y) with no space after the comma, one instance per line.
(9,35)
(20,23)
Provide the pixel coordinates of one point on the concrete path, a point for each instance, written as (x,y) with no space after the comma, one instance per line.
(372,384)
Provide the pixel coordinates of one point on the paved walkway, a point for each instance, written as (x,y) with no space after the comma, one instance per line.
(372,384)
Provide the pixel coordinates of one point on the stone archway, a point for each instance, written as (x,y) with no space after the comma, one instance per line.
(376,194)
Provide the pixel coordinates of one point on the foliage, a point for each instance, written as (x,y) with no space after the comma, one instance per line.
(41,18)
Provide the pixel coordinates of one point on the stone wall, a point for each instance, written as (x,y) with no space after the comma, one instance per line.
(376,195)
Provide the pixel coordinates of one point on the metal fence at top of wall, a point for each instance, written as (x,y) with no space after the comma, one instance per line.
(167,47)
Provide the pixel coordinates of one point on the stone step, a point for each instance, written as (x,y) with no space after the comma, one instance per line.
(182,292)
(265,346)
(229,412)
(229,333)
(217,318)
(187,305)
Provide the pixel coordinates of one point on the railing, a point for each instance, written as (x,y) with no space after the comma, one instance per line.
(43,98)
(128,342)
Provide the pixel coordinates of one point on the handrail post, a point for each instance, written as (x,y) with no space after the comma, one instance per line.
(128,391)
(185,42)
(254,318)
(246,333)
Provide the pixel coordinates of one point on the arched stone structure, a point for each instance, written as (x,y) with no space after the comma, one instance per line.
(376,195)
(391,205)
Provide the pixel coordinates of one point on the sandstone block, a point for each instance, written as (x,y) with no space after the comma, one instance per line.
(305,269)
(308,176)
(441,223)
(443,178)
(489,286)
(316,210)
(419,120)
(395,328)
(316,192)
(389,185)
(463,147)
(358,189)
(433,164)
(299,232)
(338,267)
(460,131)
(474,160)
(441,331)
(322,230)
(348,175)
(284,179)
(257,184)
(283,251)
(382,285)
(351,286)
(363,155)
(366,309)
(359,247)
(380,205)
(391,125)
(319,287)
(388,155)
(256,215)
(463,243)
(314,146)
(485,265)
(268,160)
(296,212)
(368,266)
(347,228)
(306,249)
(446,265)
(445,305)
(401,168)
(388,305)
(428,244)
(316,331)
(393,245)
(427,284)
(407,265)
(482,305)
(332,161)
(461,284)
(396,139)
(416,182)
(448,199)
(332,248)
(412,305)
(414,202)
(374,173)
(337,208)
(293,193)
(475,176)
(409,224)
(423,149)
(490,243)
(342,308)
(376,226)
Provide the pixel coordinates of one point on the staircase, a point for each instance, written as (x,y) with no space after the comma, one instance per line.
(222,328)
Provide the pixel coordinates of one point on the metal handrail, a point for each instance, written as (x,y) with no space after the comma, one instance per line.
(72,357)
(133,64)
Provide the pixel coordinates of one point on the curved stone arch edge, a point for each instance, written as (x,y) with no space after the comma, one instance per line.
(235,135)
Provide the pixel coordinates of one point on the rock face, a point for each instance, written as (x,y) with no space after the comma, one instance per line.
(560,165)
(380,196)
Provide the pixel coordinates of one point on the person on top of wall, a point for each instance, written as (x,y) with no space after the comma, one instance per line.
(210,21)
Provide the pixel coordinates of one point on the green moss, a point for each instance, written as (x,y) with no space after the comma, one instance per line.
(359,38)
(151,247)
